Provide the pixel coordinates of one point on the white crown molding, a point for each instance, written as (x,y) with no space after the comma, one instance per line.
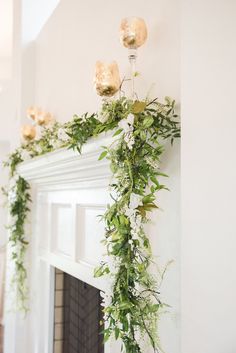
(67,167)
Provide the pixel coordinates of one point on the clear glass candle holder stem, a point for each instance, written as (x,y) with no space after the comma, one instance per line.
(132,59)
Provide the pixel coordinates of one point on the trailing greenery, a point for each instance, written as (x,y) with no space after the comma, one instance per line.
(19,199)
(133,305)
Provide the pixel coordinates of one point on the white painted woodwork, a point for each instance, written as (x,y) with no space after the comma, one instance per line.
(69,193)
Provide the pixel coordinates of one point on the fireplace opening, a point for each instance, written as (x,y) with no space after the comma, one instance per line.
(77,316)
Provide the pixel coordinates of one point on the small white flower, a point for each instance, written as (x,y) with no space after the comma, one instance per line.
(130,119)
(131,243)
(152,163)
(56,144)
(127,123)
(129,212)
(25,155)
(138,221)
(62,135)
(135,221)
(102,118)
(135,201)
(127,126)
(129,139)
(38,149)
(135,235)
(106,296)
(124,124)
(132,213)
(106,300)
(12,196)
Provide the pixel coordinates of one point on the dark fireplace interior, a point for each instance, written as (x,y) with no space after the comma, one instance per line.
(77,316)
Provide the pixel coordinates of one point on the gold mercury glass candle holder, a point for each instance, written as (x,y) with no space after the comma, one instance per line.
(107,79)
(43,118)
(28,132)
(133,34)
(32,112)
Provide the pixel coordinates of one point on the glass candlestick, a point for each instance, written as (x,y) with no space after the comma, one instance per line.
(132,59)
(133,34)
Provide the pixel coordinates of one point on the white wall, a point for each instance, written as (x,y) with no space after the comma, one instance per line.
(10,22)
(6,9)
(34,16)
(6,113)
(208,176)
(6,89)
(81,32)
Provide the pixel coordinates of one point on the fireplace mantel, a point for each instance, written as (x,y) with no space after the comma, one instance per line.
(66,167)
(69,192)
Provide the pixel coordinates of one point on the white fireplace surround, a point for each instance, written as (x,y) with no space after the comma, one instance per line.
(69,191)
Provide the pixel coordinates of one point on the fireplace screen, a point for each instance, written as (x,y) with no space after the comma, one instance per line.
(78,314)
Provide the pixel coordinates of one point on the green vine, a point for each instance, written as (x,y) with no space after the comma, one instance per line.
(133,306)
(19,200)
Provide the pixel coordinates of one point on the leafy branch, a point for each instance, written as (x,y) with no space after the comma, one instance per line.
(133,307)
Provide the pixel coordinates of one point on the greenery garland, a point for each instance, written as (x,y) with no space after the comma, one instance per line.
(132,308)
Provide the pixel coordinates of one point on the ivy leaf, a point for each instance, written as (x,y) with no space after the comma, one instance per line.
(101,270)
(162,174)
(154,308)
(24,242)
(149,206)
(148,198)
(125,305)
(117,333)
(106,336)
(102,155)
(147,122)
(125,325)
(138,107)
(123,220)
(143,135)
(117,132)
(155,181)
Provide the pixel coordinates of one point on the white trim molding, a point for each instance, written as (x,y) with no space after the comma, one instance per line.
(69,192)
(67,168)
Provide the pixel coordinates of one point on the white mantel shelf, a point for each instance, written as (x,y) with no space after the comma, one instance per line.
(66,167)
